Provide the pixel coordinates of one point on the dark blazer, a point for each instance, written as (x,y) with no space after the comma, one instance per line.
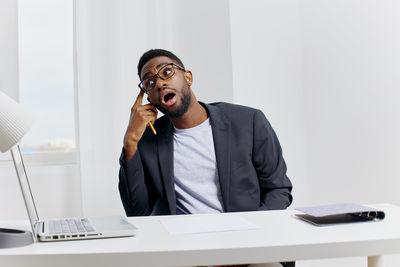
(250,165)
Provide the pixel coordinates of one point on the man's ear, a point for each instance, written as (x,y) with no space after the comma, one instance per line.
(189,77)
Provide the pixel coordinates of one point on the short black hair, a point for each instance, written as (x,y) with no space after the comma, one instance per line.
(152,53)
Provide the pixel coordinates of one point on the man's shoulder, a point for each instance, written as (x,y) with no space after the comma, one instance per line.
(226,105)
(230,109)
(233,113)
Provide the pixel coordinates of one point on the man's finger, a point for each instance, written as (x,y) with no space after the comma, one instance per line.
(150,107)
(139,99)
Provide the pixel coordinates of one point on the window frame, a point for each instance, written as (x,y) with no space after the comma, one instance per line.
(46,158)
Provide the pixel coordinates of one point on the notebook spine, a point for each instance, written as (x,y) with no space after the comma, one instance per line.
(370,215)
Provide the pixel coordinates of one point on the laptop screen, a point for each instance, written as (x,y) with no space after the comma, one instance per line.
(25,187)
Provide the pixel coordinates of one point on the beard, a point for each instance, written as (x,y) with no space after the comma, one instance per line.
(186,98)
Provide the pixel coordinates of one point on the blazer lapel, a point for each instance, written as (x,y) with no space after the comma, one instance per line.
(166,163)
(220,128)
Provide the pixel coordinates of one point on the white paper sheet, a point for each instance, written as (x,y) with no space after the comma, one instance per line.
(206,224)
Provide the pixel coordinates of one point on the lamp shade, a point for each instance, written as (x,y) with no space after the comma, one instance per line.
(15,122)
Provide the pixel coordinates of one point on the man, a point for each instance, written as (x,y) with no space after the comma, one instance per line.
(205,158)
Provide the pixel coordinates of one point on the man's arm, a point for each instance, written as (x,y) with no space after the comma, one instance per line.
(133,187)
(271,168)
(140,117)
(135,192)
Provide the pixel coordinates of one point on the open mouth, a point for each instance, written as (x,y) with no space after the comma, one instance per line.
(168,99)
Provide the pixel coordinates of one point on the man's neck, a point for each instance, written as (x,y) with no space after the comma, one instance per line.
(195,115)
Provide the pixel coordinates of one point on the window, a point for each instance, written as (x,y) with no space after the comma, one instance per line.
(46,69)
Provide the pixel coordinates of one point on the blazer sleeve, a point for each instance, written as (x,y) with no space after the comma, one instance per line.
(268,161)
(135,190)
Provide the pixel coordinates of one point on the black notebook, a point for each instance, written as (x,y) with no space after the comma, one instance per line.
(339,213)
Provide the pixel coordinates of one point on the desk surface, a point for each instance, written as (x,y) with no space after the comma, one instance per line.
(281,237)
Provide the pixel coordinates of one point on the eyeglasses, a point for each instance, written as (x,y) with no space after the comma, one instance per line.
(165,73)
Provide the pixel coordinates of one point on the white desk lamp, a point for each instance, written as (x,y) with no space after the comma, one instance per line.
(14,124)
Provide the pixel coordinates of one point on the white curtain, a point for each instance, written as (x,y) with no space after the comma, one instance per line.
(110,37)
(9,48)
(103,81)
(9,188)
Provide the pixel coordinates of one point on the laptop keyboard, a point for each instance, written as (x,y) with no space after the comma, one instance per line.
(66,226)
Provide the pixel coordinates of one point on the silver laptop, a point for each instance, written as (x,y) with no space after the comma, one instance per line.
(67,228)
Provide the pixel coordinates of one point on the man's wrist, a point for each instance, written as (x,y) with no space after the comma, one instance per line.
(130,147)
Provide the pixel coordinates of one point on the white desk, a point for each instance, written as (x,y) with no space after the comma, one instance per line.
(280,238)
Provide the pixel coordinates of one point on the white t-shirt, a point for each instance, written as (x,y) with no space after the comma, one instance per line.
(196,178)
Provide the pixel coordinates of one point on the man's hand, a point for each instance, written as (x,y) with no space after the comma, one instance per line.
(141,115)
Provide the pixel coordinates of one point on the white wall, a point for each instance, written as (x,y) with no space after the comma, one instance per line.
(267,74)
(200,36)
(326,73)
(351,86)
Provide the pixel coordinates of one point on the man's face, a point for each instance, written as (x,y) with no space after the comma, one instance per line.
(171,96)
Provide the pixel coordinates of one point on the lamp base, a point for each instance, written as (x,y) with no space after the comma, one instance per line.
(11,238)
